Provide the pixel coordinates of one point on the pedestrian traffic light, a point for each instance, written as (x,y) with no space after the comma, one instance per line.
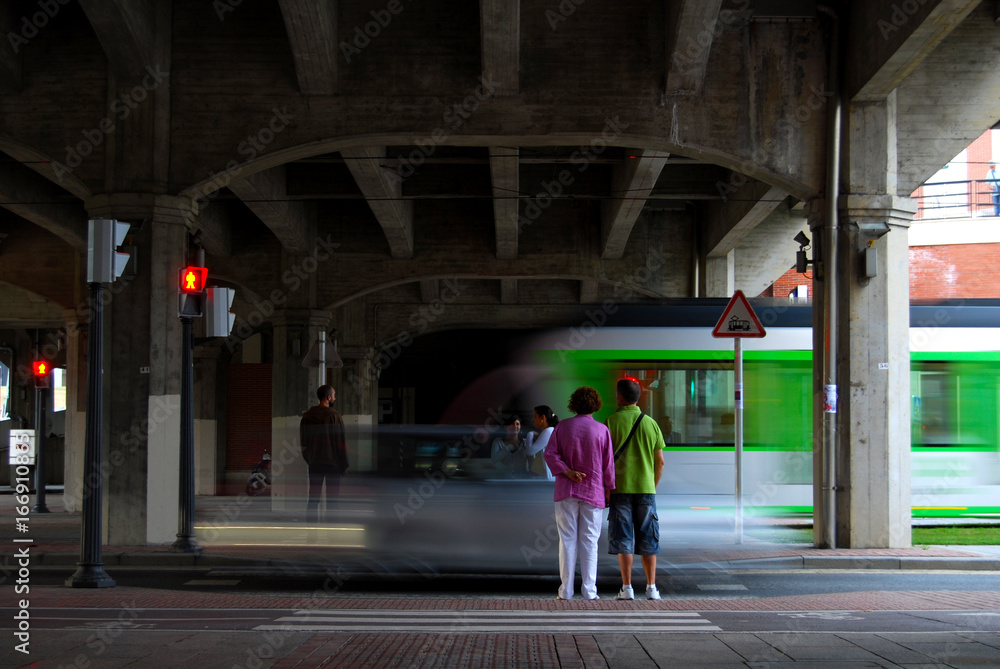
(191,291)
(105,262)
(218,319)
(40,371)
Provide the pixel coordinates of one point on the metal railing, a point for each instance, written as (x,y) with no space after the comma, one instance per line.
(957,199)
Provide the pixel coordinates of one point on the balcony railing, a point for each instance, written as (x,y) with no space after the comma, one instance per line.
(956,199)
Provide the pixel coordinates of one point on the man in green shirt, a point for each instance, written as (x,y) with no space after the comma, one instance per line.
(633,525)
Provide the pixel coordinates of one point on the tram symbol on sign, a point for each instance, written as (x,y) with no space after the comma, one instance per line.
(737,324)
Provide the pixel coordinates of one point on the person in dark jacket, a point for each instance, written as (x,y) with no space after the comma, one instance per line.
(324,449)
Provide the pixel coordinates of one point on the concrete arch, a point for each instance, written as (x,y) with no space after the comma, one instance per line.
(757,169)
(45,165)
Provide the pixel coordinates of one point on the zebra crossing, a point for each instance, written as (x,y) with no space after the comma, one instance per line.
(486,621)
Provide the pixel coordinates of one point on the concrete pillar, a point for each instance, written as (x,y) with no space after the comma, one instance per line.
(143,370)
(76,409)
(293,392)
(873,465)
(720,275)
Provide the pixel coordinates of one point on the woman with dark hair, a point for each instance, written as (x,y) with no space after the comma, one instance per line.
(580,457)
(508,453)
(545,421)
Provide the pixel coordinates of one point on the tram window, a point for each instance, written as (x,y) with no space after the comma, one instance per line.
(690,400)
(933,408)
(58,389)
(4,392)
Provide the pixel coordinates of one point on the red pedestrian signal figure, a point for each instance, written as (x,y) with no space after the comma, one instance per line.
(40,370)
(193,279)
(191,290)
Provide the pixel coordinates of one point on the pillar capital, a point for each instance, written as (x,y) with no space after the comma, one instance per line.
(895,210)
(173,209)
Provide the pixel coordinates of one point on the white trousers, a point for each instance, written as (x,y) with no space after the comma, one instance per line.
(579,527)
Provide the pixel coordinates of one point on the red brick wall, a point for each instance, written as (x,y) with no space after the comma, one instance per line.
(248,415)
(957,270)
(936,272)
(789,281)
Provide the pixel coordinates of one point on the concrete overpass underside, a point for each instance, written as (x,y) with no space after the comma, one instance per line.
(343,163)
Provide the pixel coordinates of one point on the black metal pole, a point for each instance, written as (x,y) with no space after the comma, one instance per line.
(90,569)
(40,507)
(186,541)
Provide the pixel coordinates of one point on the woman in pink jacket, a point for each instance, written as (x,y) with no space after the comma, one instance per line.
(579,455)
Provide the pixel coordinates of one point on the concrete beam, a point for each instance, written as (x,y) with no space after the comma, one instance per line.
(384,192)
(907,39)
(944,107)
(23,308)
(500,27)
(690,32)
(588,291)
(312,33)
(265,194)
(506,205)
(727,223)
(631,183)
(508,291)
(126,30)
(34,199)
(10,56)
(429,290)
(768,251)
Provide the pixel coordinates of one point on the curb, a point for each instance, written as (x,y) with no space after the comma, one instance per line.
(846,562)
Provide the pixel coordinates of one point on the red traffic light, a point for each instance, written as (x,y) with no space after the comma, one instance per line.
(40,368)
(192,280)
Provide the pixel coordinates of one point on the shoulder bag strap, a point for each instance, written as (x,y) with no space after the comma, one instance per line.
(635,426)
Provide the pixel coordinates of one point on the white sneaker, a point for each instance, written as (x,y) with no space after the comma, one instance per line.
(626,593)
(652,592)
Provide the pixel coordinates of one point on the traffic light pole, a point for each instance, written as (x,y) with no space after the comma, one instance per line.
(39,436)
(90,569)
(40,452)
(186,541)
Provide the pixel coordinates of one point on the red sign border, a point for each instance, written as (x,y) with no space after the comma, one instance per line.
(738,296)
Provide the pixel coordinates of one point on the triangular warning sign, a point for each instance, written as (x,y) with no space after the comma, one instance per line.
(738,320)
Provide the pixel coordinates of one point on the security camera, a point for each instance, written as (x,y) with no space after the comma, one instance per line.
(801,239)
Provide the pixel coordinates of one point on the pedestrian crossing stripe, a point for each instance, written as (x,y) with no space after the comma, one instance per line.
(473,621)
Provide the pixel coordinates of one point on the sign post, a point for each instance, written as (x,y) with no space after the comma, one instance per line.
(738,321)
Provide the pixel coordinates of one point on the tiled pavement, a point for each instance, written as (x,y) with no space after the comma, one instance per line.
(114,644)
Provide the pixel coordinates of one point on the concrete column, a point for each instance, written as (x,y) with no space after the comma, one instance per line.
(143,370)
(76,410)
(293,392)
(873,464)
(720,275)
